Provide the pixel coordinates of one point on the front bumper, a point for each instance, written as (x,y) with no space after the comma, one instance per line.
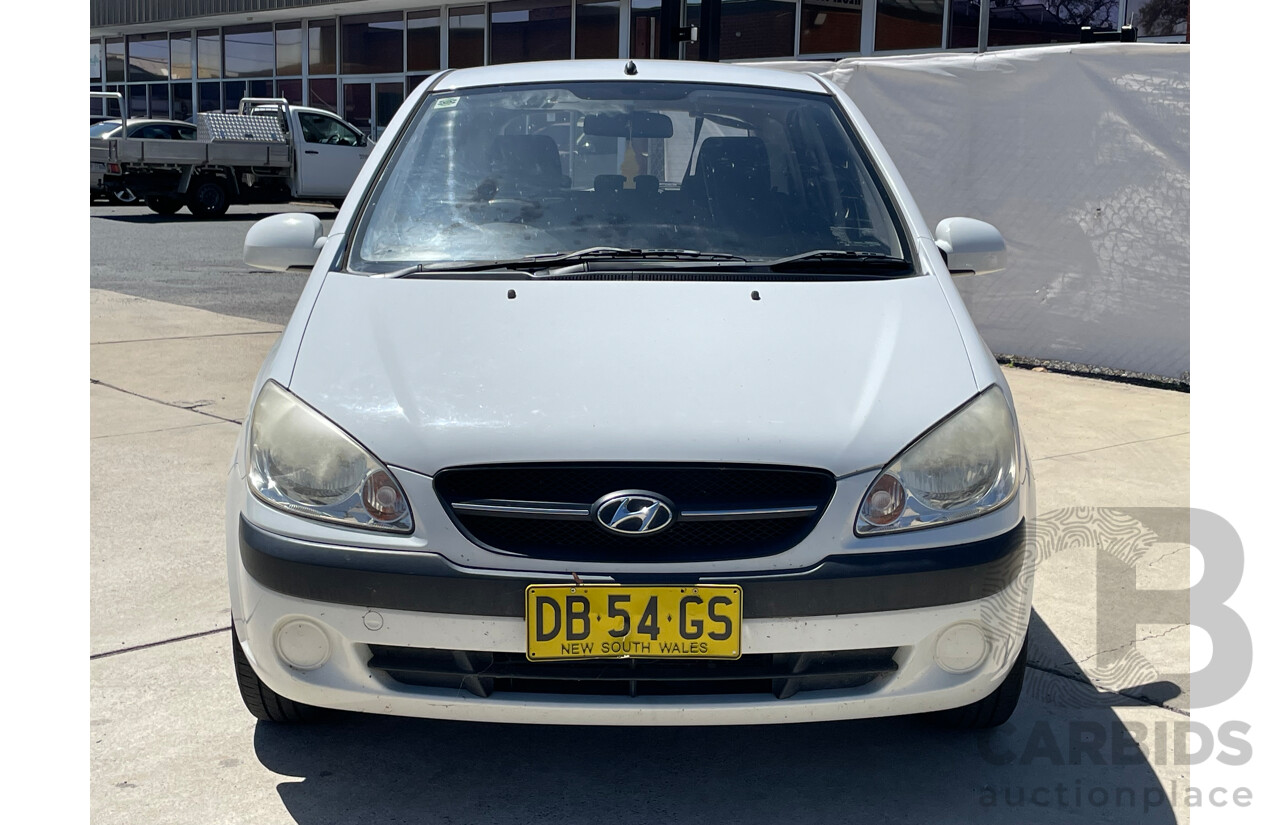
(902,601)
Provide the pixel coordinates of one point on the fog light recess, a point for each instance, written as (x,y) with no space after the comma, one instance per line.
(302,644)
(960,648)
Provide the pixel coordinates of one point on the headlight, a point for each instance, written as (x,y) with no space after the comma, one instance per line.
(965,466)
(302,462)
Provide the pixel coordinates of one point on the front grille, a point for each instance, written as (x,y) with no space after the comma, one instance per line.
(722,511)
(780,675)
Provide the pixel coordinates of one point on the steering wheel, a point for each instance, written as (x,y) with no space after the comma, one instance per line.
(334,138)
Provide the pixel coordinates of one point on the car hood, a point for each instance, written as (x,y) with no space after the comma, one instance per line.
(430,374)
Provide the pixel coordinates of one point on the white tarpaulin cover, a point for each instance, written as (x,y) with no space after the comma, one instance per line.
(1080,155)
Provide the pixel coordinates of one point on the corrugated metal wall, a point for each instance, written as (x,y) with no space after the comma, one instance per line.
(129,12)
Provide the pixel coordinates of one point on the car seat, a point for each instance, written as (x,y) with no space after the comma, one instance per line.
(524,163)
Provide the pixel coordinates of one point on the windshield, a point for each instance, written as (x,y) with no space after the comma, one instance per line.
(508,172)
(104,128)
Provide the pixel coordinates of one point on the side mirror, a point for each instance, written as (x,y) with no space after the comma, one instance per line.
(286,241)
(970,246)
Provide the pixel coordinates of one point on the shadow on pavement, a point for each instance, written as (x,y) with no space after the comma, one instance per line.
(145,217)
(1054,761)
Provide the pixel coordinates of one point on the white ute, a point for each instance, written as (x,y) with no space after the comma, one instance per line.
(268,152)
(630,393)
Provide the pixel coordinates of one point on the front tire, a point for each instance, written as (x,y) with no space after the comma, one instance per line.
(995,709)
(262,701)
(208,199)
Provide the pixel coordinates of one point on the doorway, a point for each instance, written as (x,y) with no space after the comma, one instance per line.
(369,103)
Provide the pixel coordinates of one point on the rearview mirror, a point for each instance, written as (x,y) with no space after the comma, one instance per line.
(287,241)
(628,125)
(970,246)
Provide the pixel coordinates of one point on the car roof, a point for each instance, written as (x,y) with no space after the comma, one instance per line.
(142,121)
(688,71)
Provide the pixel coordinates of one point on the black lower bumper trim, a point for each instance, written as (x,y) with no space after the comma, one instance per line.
(426,582)
(483,673)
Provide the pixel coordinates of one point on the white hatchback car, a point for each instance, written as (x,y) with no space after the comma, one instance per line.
(630,393)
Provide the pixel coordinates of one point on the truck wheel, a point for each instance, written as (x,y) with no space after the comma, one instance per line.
(262,701)
(208,199)
(122,197)
(995,709)
(163,205)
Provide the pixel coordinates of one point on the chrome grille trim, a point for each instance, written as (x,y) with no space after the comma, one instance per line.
(582,512)
(504,508)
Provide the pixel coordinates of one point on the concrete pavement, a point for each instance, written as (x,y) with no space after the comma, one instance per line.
(170,741)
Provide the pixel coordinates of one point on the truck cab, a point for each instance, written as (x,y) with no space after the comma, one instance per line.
(327,150)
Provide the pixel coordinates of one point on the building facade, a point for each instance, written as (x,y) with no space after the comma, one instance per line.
(360,58)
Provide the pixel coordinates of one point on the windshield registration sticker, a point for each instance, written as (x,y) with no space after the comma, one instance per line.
(447,102)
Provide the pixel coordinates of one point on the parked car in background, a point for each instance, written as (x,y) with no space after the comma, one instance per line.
(149,128)
(671,415)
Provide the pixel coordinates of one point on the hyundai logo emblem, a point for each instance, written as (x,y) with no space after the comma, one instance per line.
(633,513)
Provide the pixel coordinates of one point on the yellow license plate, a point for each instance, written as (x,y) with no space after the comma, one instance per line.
(610,621)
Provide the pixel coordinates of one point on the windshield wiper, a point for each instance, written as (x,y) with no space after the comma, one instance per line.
(530,263)
(844,259)
(618,253)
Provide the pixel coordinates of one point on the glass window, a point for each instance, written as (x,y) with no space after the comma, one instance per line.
(909,24)
(964,24)
(148,57)
(522,30)
(644,27)
(466,37)
(325,129)
(210,97)
(424,41)
(137,97)
(95,103)
(180,56)
(182,107)
(373,43)
(110,108)
(208,54)
(830,26)
(115,59)
(95,61)
(388,97)
(232,91)
(757,28)
(531,169)
(597,34)
(322,47)
(413,80)
(289,48)
(1016,22)
(248,51)
(290,90)
(112,105)
(148,132)
(1159,18)
(104,128)
(159,106)
(357,106)
(324,93)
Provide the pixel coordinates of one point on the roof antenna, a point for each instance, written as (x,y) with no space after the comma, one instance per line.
(630,68)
